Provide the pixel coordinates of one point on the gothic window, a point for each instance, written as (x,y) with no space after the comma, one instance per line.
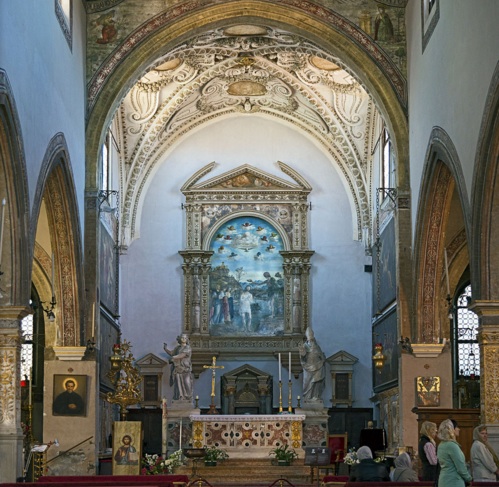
(387,166)
(430,14)
(64,14)
(27,346)
(467,352)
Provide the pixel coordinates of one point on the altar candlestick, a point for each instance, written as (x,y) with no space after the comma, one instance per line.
(446,272)
(289,368)
(30,385)
(280,368)
(2,225)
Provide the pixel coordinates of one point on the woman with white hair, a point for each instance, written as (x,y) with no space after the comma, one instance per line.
(453,470)
(367,470)
(484,460)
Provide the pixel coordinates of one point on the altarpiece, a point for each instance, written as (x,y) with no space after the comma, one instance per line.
(246,264)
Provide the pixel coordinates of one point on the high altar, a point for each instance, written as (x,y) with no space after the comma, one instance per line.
(247,436)
(246,266)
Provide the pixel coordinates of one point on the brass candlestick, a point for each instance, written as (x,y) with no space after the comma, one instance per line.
(290,398)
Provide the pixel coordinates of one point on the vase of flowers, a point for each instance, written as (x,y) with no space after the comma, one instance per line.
(157,465)
(214,455)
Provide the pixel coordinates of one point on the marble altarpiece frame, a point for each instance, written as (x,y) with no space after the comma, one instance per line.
(246,232)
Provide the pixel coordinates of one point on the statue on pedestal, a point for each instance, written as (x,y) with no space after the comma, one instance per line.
(313,362)
(181,369)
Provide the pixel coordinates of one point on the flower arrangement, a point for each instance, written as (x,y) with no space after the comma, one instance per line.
(351,457)
(157,465)
(283,453)
(215,454)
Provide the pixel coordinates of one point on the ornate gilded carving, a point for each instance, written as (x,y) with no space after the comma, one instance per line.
(489,390)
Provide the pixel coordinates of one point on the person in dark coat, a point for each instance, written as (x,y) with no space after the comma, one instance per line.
(367,470)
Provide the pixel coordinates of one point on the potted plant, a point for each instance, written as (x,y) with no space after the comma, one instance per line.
(214,455)
(284,455)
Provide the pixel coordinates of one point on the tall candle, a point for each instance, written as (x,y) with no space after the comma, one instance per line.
(30,385)
(93,320)
(280,367)
(2,225)
(180,436)
(289,369)
(446,272)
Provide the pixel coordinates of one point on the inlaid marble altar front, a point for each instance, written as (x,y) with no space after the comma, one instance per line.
(248,436)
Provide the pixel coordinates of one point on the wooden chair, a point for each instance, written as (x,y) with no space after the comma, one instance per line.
(338,447)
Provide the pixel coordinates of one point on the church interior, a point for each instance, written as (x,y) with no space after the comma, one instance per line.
(188,186)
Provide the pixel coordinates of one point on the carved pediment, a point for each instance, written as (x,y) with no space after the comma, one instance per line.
(246,178)
(150,363)
(246,371)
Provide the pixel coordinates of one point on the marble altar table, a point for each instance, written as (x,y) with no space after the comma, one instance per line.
(248,436)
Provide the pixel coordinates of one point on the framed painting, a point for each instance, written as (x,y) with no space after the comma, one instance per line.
(246,279)
(427,392)
(70,395)
(384,269)
(127,447)
(385,332)
(109,335)
(108,271)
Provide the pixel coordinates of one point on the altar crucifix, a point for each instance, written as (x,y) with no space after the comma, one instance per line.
(213,367)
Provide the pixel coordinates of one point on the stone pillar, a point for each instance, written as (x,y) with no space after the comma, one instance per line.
(196,269)
(11,436)
(488,338)
(296,274)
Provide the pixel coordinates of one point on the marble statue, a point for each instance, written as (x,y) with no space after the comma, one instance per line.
(313,362)
(181,373)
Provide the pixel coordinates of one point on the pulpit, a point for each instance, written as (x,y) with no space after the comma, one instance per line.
(248,436)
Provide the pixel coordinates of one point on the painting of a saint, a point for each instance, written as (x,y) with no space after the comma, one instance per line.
(246,279)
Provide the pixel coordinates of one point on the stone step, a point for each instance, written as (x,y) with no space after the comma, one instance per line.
(248,472)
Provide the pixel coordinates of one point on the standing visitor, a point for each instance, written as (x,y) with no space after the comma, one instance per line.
(484,461)
(427,450)
(453,470)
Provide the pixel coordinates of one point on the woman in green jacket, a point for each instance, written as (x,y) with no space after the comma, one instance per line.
(453,470)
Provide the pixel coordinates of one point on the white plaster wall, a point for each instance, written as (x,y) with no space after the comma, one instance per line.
(48,81)
(449,82)
(151,278)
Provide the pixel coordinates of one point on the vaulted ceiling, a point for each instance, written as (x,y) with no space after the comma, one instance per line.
(245,70)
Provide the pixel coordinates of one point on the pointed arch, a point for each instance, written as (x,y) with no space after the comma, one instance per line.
(56,188)
(485,262)
(16,278)
(330,31)
(443,222)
